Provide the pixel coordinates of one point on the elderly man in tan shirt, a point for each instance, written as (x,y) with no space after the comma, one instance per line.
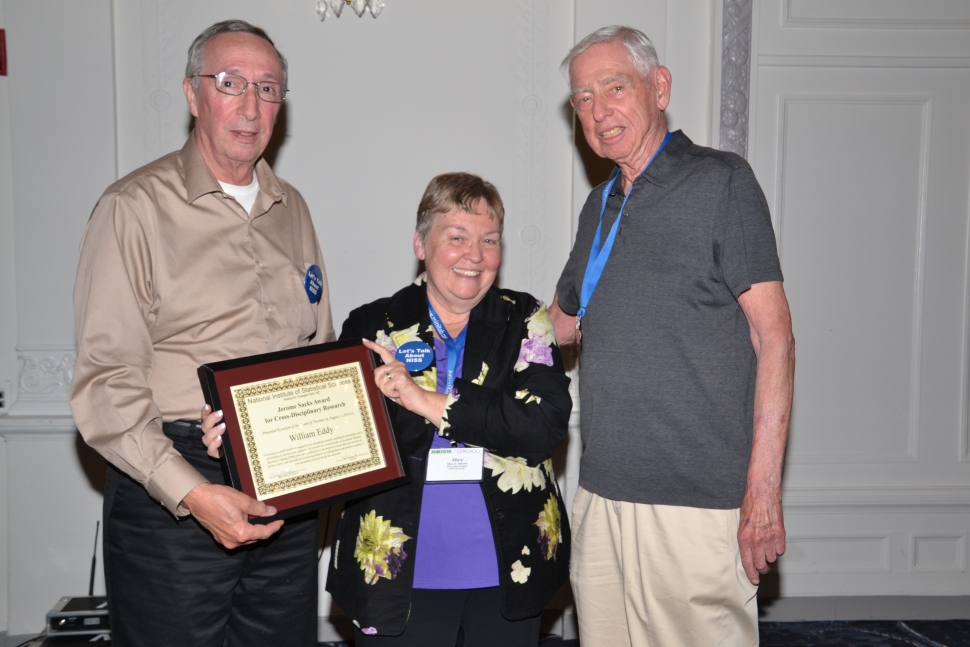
(200,256)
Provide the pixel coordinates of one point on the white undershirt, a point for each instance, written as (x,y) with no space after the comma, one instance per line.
(244,195)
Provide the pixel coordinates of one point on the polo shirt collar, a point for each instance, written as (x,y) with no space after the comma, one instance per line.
(661,169)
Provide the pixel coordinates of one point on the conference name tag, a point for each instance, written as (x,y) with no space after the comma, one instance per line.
(451,464)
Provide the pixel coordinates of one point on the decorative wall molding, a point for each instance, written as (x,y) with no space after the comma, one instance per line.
(44,380)
(162,71)
(735,76)
(45,372)
(888,499)
(531,76)
(836,457)
(964,449)
(919,14)
(893,62)
(37,428)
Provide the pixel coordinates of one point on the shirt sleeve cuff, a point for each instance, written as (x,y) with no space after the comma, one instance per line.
(568,303)
(174,479)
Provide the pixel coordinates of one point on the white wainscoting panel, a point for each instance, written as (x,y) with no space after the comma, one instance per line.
(938,553)
(837,554)
(875,551)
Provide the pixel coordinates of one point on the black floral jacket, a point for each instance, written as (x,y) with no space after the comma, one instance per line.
(513,401)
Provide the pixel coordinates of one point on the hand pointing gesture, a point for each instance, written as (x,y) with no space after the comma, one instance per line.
(395,382)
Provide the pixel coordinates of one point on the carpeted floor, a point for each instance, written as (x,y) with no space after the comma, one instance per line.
(866,633)
(858,633)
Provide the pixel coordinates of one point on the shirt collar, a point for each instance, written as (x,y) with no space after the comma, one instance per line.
(200,181)
(662,167)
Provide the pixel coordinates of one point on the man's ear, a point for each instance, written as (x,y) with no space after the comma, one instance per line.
(662,82)
(190,96)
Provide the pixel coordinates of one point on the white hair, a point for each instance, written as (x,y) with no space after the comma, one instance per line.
(642,53)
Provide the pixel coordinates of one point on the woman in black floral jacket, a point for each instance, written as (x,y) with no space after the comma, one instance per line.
(412,566)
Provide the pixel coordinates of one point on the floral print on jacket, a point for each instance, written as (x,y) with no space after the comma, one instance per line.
(379,550)
(513,400)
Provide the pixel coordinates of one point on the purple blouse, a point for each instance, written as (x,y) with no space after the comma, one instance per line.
(455,549)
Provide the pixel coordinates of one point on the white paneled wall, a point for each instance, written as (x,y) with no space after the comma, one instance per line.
(861,140)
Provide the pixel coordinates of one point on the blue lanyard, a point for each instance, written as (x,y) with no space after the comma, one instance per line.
(455,346)
(598,257)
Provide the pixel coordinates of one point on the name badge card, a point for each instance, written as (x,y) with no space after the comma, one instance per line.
(455,464)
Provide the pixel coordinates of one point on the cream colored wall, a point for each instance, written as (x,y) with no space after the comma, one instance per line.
(57,155)
(377,108)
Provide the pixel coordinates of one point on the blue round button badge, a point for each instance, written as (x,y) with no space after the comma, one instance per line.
(313,283)
(416,355)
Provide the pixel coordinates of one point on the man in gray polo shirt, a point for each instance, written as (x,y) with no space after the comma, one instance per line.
(674,287)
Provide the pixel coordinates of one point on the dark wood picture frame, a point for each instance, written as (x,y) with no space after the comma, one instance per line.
(219,378)
(3,52)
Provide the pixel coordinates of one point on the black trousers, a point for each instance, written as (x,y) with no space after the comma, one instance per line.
(169,582)
(457,618)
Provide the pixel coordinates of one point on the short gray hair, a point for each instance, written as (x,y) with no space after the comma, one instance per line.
(642,53)
(197,49)
(457,191)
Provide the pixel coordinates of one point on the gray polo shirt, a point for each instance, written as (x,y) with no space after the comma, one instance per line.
(667,372)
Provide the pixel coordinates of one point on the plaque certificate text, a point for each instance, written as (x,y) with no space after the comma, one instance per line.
(307,429)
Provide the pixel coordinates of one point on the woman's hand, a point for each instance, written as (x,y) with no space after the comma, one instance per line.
(212,430)
(394,381)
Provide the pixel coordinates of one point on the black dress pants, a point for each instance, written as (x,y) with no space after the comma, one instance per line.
(170,583)
(457,618)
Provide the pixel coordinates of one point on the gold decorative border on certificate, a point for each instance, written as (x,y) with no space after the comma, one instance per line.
(374,461)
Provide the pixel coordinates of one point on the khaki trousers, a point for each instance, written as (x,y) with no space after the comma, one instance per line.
(659,576)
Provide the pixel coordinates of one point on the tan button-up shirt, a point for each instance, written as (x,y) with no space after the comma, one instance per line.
(173,274)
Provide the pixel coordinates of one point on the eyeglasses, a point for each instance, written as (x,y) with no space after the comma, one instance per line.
(235,85)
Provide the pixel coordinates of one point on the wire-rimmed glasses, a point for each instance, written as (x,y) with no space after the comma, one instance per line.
(235,85)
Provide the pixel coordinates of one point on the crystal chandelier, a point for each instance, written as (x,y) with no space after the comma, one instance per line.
(337,6)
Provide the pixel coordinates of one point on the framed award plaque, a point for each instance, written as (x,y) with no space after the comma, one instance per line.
(305,428)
